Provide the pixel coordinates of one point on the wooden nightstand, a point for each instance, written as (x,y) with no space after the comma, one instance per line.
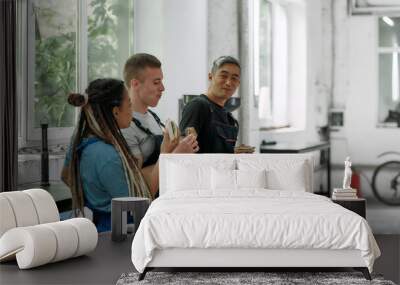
(356,205)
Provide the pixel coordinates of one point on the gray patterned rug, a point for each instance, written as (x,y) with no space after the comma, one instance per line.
(225,278)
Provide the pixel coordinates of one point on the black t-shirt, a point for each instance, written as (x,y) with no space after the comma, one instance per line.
(216,128)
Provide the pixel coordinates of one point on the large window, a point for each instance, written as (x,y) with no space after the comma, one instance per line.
(68,43)
(279,55)
(389,75)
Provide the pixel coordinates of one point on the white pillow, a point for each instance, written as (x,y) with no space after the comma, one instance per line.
(281,174)
(193,174)
(180,172)
(237,179)
(223,179)
(182,177)
(278,180)
(251,179)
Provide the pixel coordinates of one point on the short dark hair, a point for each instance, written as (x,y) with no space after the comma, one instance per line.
(137,63)
(222,60)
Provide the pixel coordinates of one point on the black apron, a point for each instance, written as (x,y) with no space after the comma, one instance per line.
(225,135)
(152,159)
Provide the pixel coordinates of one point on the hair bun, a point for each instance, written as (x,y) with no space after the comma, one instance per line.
(77,99)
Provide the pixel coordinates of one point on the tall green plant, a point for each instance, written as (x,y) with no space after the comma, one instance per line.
(104,37)
(55,60)
(55,70)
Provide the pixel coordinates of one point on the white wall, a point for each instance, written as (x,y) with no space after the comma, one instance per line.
(148,26)
(185,53)
(176,32)
(223,29)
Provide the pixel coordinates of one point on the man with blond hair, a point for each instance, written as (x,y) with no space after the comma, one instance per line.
(143,78)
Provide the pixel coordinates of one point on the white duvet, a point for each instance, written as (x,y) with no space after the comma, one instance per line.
(253,218)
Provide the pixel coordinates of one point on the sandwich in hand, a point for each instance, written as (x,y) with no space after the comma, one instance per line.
(172,129)
(244,149)
(190,131)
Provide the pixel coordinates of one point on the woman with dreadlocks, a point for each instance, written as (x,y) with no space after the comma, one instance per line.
(99,165)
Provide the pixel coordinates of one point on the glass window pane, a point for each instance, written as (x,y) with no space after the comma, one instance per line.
(55,61)
(280,65)
(389,31)
(389,95)
(110,37)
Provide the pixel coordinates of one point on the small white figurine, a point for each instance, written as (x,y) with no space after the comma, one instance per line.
(347,174)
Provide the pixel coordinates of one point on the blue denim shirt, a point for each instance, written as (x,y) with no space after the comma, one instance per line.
(102,176)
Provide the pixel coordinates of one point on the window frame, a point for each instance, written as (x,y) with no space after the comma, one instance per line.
(28,135)
(382,50)
(268,123)
(256,56)
(292,121)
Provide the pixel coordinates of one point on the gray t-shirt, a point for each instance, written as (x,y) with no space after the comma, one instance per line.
(142,144)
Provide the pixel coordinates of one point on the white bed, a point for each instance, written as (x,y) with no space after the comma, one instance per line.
(213,212)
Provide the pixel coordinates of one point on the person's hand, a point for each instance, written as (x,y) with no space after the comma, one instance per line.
(168,145)
(188,144)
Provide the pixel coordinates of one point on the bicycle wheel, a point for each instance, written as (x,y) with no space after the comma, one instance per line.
(386,183)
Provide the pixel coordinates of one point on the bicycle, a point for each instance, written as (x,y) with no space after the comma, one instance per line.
(386,177)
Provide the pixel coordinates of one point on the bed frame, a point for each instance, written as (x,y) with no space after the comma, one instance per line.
(242,259)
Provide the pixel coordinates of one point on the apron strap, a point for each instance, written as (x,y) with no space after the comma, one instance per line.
(146,130)
(158,120)
(88,142)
